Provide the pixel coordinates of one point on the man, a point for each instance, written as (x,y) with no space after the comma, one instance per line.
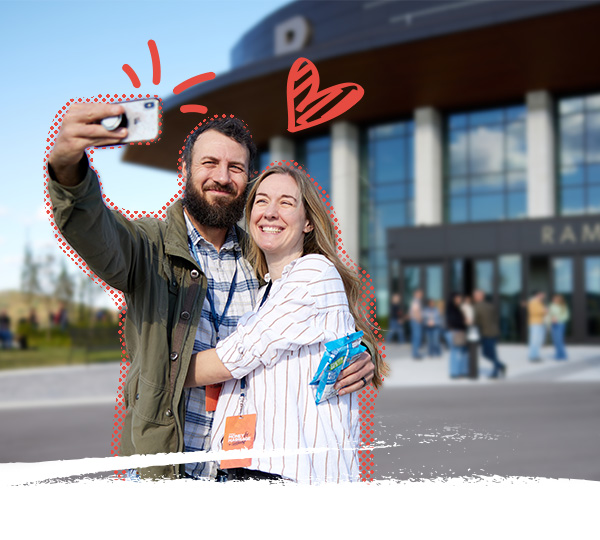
(536,315)
(185,279)
(486,321)
(396,319)
(416,323)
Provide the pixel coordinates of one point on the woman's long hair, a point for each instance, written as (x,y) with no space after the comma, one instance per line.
(321,240)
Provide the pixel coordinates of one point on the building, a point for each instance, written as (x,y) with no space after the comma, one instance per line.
(473,159)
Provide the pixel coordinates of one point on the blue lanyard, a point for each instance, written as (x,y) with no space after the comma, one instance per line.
(216,320)
(262,302)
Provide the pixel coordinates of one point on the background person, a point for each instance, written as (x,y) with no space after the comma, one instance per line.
(415,315)
(397,317)
(456,336)
(311,298)
(486,320)
(558,315)
(536,314)
(472,338)
(6,337)
(432,323)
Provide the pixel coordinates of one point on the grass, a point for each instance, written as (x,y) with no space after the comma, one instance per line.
(55,356)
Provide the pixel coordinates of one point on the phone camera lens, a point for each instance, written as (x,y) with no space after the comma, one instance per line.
(149,105)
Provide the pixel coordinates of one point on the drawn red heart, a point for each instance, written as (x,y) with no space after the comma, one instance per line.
(307,105)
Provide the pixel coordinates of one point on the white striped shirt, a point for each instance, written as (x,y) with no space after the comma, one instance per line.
(278,348)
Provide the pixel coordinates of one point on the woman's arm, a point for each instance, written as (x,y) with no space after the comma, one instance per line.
(206,368)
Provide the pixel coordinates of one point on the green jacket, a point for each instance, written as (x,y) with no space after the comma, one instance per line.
(149,260)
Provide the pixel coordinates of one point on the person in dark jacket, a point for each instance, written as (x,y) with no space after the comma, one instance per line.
(397,317)
(456,332)
(486,321)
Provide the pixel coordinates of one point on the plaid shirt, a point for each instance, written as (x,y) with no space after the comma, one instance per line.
(220,269)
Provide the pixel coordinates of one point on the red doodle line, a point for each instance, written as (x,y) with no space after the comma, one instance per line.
(155,61)
(135,80)
(193,81)
(193,108)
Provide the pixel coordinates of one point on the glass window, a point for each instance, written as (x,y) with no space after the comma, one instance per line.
(387,193)
(592,291)
(484,276)
(434,277)
(487,207)
(412,281)
(579,156)
(509,292)
(264,160)
(457,276)
(315,154)
(562,283)
(486,165)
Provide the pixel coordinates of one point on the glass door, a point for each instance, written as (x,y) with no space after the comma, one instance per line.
(562,283)
(592,296)
(510,286)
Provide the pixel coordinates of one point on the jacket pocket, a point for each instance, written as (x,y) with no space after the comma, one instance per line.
(151,403)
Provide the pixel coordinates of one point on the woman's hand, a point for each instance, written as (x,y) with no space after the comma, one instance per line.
(357,375)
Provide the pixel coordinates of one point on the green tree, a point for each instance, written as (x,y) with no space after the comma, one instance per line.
(30,277)
(64,288)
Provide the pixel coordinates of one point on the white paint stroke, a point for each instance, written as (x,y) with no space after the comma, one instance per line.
(12,474)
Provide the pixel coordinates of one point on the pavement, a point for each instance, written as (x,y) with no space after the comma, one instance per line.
(583,365)
(98,383)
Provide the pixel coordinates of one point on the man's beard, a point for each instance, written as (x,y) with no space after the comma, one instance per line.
(219,215)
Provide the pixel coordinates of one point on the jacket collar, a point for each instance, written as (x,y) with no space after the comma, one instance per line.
(176,237)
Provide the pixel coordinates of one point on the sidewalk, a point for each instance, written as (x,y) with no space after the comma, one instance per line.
(79,385)
(97,383)
(583,365)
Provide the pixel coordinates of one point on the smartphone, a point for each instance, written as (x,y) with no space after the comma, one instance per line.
(140,118)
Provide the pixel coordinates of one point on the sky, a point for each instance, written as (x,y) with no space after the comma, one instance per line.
(53,51)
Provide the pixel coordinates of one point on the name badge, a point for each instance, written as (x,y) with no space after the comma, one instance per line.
(240,432)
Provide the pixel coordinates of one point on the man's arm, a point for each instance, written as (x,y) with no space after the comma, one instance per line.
(206,368)
(106,240)
(351,378)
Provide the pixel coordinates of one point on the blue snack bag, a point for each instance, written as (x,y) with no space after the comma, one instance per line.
(332,350)
(337,356)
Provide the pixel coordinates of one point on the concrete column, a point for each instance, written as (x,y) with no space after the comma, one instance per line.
(428,167)
(541,148)
(345,188)
(281,148)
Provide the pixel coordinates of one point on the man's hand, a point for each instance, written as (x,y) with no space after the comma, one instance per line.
(80,129)
(351,378)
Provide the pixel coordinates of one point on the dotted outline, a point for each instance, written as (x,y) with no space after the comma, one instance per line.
(366,397)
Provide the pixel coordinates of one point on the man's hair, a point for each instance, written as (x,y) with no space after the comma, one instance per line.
(230,127)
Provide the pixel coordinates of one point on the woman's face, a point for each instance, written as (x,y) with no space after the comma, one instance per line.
(278,219)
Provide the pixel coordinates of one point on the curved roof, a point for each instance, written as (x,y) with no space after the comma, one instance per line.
(407,54)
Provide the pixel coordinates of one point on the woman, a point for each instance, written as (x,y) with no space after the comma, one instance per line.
(457,336)
(310,298)
(558,315)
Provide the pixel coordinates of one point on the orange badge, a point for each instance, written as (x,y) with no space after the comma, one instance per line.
(239,433)
(212,396)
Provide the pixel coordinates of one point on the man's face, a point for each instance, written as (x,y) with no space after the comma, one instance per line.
(478,296)
(215,192)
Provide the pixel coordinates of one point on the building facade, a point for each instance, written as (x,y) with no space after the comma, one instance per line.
(473,159)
